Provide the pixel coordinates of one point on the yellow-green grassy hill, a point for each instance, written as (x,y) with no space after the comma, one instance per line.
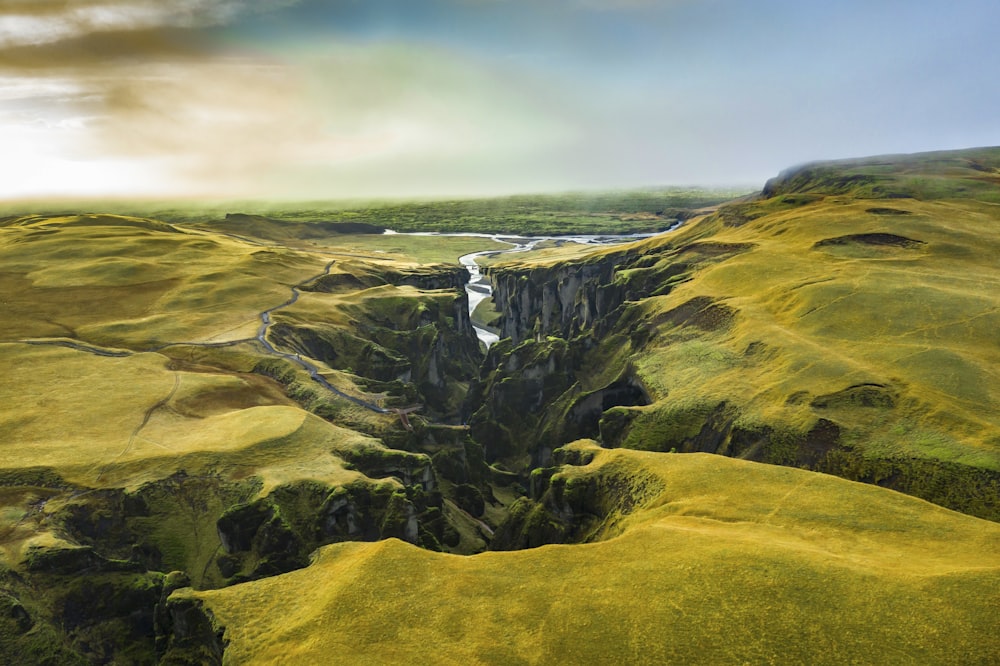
(171,491)
(701,559)
(846,320)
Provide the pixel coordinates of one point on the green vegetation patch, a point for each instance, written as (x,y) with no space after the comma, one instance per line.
(753,563)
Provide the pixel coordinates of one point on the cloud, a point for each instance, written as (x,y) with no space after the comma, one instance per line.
(36,22)
(441,97)
(86,52)
(239,125)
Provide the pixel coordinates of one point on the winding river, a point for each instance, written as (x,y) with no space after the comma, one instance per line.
(479,288)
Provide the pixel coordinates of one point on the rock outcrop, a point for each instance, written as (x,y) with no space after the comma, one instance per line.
(577,508)
(562,300)
(411,328)
(576,297)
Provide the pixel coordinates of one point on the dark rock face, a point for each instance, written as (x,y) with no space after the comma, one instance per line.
(514,398)
(975,491)
(11,608)
(530,398)
(68,561)
(570,299)
(882,239)
(424,277)
(862,395)
(101,599)
(584,416)
(276,533)
(190,634)
(117,528)
(426,342)
(533,401)
(571,508)
(85,617)
(378,463)
(879,210)
(562,301)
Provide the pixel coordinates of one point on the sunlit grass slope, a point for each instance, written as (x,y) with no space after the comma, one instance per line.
(76,425)
(853,310)
(917,324)
(120,280)
(54,411)
(88,413)
(705,559)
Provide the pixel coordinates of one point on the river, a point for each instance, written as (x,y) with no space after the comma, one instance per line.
(479,288)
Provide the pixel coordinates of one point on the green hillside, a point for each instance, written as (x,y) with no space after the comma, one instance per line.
(823,329)
(701,559)
(276,439)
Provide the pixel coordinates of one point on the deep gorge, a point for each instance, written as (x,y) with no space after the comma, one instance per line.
(477,468)
(679,344)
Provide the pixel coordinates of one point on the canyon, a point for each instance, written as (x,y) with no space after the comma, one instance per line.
(784,398)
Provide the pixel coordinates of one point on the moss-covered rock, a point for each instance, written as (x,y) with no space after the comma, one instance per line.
(419,339)
(193,634)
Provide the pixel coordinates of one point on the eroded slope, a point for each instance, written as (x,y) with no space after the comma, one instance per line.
(177,400)
(839,328)
(698,559)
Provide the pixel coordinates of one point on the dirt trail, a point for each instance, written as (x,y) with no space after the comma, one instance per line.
(261,337)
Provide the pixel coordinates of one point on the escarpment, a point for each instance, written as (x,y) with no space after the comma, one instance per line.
(207,464)
(561,300)
(774,330)
(389,327)
(581,297)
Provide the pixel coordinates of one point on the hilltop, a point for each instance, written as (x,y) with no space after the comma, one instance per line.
(691,558)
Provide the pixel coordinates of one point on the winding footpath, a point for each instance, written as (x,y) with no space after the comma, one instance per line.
(261,337)
(265,324)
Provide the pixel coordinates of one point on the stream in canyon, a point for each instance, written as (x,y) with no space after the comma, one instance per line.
(478,287)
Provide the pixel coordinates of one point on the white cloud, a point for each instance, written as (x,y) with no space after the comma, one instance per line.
(33,23)
(39,162)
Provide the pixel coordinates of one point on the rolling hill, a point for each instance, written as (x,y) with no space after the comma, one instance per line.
(771,436)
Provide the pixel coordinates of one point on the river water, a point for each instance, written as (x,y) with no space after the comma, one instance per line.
(479,288)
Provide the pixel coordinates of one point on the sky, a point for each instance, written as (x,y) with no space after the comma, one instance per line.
(327,99)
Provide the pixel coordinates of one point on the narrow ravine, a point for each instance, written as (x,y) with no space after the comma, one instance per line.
(479,288)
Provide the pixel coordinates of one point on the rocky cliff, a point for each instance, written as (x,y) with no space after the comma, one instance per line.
(562,300)
(404,332)
(778,330)
(567,299)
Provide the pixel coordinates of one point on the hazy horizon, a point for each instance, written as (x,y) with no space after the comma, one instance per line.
(286,100)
